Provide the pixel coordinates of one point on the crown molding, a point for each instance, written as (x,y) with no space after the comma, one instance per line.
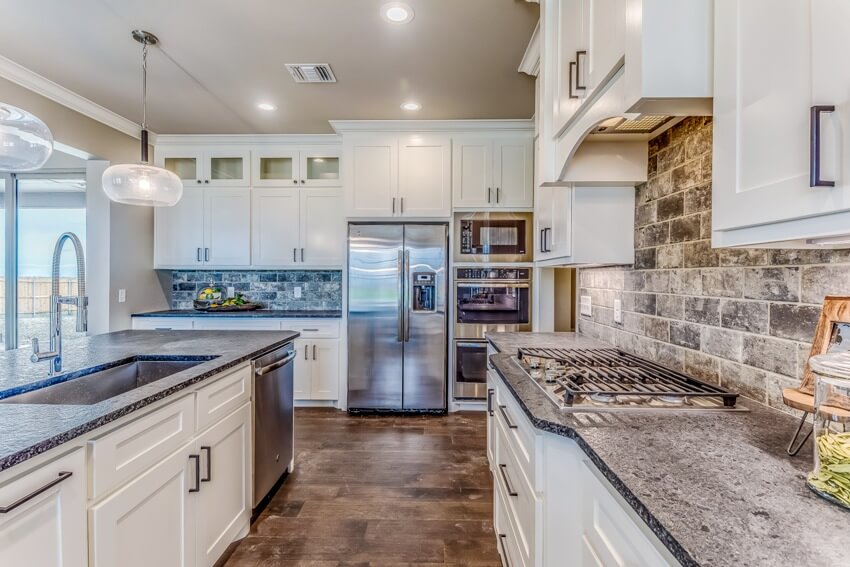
(530,64)
(343,126)
(247,139)
(31,80)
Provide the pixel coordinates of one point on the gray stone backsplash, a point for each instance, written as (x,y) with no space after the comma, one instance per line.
(740,317)
(275,289)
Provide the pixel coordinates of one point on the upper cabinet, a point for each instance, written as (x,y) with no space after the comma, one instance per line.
(397,175)
(288,167)
(781,147)
(208,166)
(493,172)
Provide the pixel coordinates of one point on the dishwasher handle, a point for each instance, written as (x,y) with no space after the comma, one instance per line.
(290,356)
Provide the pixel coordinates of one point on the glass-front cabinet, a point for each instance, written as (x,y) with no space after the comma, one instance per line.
(320,167)
(296,167)
(214,166)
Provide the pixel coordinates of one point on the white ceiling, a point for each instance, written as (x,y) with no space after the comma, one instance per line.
(458,58)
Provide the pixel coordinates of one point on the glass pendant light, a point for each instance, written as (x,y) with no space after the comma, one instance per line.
(141,183)
(25,141)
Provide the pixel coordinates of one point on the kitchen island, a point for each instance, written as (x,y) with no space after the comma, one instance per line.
(714,488)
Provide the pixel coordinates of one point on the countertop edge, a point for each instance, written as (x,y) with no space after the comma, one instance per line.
(256,314)
(657,528)
(55,441)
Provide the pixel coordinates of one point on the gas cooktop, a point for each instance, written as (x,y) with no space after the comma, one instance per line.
(601,379)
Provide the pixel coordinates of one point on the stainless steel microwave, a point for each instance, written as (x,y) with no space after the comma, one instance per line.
(493,237)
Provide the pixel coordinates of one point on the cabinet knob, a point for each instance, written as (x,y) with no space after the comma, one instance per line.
(206,180)
(303,182)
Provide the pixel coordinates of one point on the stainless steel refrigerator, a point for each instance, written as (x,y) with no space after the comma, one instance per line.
(397,327)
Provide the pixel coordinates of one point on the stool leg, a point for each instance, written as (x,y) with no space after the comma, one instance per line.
(792,450)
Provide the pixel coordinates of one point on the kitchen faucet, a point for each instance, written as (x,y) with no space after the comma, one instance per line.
(54,355)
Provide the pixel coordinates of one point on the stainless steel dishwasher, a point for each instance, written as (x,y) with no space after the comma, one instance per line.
(274,423)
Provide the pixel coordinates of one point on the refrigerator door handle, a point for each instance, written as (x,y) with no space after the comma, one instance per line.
(407,292)
(400,334)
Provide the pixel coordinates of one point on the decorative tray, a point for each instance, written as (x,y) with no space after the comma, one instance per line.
(201,305)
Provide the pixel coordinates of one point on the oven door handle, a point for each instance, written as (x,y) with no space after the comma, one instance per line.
(501,284)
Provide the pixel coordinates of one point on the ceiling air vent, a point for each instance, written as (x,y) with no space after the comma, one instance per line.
(311,72)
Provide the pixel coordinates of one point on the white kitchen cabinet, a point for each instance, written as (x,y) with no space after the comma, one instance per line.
(371,178)
(322,227)
(302,379)
(569,55)
(208,165)
(208,227)
(425,176)
(48,529)
(493,172)
(286,166)
(764,189)
(224,501)
(151,520)
(317,369)
(606,41)
(554,222)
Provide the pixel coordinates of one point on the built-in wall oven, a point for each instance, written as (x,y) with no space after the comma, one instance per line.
(496,299)
(493,237)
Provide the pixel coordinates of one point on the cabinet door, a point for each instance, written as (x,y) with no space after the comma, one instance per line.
(570,65)
(320,167)
(324,356)
(559,241)
(224,502)
(425,176)
(606,39)
(227,167)
(322,227)
(761,161)
(275,167)
(543,221)
(514,172)
(48,529)
(371,164)
(186,163)
(150,521)
(303,389)
(227,227)
(275,227)
(179,232)
(473,172)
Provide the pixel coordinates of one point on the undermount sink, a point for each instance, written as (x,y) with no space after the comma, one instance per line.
(92,387)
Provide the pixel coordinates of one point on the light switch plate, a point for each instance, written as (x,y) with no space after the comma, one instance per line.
(122,295)
(618,311)
(586,306)
(296,292)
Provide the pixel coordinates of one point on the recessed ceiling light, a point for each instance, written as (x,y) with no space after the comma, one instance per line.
(411,106)
(266,106)
(397,12)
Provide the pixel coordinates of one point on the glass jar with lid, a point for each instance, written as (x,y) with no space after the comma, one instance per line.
(831,476)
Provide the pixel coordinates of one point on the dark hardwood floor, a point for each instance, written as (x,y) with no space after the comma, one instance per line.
(379,491)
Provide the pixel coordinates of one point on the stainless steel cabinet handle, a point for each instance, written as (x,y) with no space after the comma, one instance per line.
(24,499)
(310,330)
(489,194)
(401,209)
(294,254)
(206,254)
(302,254)
(199,255)
(548,240)
(503,469)
(314,352)
(505,561)
(498,195)
(510,423)
(306,352)
(579,67)
(209,464)
(814,147)
(197,459)
(393,205)
(572,93)
(490,393)
(400,266)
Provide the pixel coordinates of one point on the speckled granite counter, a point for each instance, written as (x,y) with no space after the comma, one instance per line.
(31,429)
(717,489)
(259,313)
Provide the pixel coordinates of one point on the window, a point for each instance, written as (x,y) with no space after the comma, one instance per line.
(45,205)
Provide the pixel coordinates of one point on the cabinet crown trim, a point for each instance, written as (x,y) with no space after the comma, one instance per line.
(247,139)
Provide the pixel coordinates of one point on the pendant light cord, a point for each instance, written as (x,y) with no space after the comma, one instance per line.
(144,102)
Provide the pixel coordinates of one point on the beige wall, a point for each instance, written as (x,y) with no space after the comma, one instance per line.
(120,238)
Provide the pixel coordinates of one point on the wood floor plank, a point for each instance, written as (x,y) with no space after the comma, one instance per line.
(379,491)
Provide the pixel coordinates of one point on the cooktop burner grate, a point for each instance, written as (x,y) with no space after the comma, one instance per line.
(603,376)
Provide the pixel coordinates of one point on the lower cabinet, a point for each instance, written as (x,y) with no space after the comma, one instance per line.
(45,529)
(317,369)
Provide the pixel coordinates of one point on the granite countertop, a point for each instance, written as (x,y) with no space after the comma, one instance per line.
(259,313)
(31,429)
(717,489)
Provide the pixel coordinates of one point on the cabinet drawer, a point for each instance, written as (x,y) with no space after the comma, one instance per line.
(313,329)
(506,539)
(223,396)
(520,500)
(134,447)
(162,323)
(233,324)
(521,433)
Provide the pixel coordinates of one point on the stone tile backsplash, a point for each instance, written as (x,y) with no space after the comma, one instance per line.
(320,289)
(742,318)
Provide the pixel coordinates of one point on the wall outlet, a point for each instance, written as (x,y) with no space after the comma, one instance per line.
(231,291)
(296,292)
(586,308)
(618,311)
(122,295)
